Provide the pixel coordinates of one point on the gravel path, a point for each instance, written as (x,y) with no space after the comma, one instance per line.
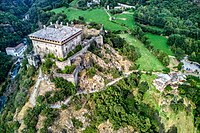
(32,98)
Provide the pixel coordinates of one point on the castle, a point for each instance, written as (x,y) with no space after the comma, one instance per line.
(56,39)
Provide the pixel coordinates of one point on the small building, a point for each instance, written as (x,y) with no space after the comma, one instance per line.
(56,39)
(173,79)
(190,67)
(123,6)
(161,81)
(16,51)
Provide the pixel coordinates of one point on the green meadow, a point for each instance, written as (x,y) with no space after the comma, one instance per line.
(159,42)
(147,61)
(97,15)
(125,19)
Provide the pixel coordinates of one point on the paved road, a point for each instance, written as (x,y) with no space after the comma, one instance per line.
(32,98)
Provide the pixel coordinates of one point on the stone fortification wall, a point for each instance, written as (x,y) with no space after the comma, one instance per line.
(62,65)
(68,77)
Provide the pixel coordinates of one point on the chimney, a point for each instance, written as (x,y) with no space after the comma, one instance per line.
(44,26)
(61,23)
(67,24)
(51,23)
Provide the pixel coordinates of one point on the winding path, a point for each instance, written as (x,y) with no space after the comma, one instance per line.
(110,18)
(32,98)
(66,102)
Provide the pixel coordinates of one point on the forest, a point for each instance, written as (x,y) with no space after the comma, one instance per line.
(5,65)
(181,25)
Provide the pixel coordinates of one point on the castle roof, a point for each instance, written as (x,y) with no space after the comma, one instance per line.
(56,33)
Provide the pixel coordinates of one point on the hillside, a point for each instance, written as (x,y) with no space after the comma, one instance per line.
(103,67)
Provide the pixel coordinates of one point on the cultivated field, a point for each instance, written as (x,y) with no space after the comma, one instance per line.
(147,61)
(159,42)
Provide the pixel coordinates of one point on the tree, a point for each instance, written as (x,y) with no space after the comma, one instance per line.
(47,65)
(143,87)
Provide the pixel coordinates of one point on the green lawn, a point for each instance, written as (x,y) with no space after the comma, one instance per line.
(73,3)
(126,19)
(92,15)
(147,61)
(159,42)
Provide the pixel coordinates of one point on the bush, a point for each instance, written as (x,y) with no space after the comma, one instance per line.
(69,69)
(74,51)
(91,72)
(47,65)
(51,56)
(77,124)
(65,89)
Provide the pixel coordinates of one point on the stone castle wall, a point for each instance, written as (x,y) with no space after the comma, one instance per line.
(42,48)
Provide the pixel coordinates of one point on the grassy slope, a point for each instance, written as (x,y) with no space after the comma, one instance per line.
(73,3)
(94,15)
(183,122)
(147,61)
(126,19)
(159,42)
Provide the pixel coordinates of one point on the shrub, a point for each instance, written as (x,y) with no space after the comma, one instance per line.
(75,50)
(47,65)
(91,72)
(77,124)
(69,69)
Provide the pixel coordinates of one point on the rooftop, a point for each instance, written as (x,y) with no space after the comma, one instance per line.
(16,47)
(55,32)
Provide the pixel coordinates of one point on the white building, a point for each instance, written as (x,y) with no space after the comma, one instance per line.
(173,79)
(16,51)
(190,66)
(56,39)
(161,81)
(124,6)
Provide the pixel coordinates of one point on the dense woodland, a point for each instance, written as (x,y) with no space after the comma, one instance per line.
(122,108)
(180,20)
(5,65)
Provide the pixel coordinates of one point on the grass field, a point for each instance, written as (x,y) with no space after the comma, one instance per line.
(159,42)
(126,19)
(147,61)
(73,3)
(94,15)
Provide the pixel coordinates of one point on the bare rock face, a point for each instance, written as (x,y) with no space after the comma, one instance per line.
(106,127)
(96,82)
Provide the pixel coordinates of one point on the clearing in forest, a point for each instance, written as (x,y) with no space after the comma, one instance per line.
(147,61)
(125,19)
(159,42)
